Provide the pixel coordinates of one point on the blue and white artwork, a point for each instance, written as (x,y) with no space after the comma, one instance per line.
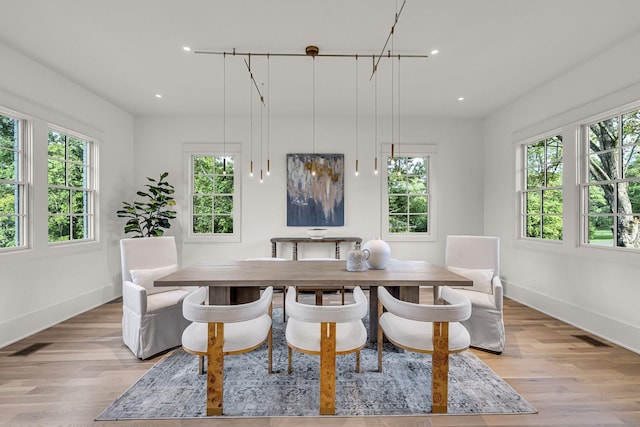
(315,189)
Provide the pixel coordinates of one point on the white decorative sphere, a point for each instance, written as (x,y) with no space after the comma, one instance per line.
(379,253)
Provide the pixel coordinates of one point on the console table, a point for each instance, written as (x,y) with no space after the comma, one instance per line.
(296,240)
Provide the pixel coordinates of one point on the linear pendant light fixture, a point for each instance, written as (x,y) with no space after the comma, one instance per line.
(313,52)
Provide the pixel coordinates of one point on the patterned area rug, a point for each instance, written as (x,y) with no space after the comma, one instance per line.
(173,389)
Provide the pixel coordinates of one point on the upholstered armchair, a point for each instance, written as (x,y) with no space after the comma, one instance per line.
(478,258)
(152,318)
(223,330)
(326,331)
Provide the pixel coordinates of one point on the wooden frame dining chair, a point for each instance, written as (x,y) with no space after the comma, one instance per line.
(422,328)
(327,331)
(224,330)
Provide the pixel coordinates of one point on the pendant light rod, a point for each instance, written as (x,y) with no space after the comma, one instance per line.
(326,55)
(248,64)
(389,37)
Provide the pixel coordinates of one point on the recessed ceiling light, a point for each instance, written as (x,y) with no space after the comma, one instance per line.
(434,52)
(461,98)
(186,48)
(158,95)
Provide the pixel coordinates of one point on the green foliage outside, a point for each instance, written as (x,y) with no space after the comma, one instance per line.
(9,219)
(150,216)
(613,192)
(213,194)
(68,192)
(408,196)
(543,196)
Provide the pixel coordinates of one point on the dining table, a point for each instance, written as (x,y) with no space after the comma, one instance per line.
(238,282)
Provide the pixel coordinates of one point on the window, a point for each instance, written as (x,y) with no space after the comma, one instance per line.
(13,185)
(214,196)
(542,194)
(71,190)
(408,199)
(611,182)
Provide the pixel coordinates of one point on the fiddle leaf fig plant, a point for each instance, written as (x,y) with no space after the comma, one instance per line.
(149,217)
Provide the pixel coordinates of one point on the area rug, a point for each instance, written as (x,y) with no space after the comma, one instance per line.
(173,389)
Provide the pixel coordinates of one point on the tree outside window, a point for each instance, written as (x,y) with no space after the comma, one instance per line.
(70,190)
(12,185)
(408,194)
(542,197)
(612,191)
(213,193)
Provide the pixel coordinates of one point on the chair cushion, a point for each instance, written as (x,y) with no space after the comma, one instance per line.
(238,336)
(146,277)
(161,300)
(479,300)
(481,278)
(350,336)
(416,335)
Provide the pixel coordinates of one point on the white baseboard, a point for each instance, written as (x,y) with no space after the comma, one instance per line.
(622,334)
(28,324)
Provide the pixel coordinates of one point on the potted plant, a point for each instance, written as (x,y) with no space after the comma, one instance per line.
(149,217)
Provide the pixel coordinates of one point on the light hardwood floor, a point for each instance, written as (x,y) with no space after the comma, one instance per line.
(84,366)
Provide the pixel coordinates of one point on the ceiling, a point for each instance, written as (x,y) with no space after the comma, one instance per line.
(490,52)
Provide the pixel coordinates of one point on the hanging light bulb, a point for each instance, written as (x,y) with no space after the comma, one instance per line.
(313,88)
(357,166)
(375,130)
(224,114)
(268,117)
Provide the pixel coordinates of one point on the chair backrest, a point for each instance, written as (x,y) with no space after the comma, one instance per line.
(147,253)
(457,309)
(473,252)
(195,311)
(327,313)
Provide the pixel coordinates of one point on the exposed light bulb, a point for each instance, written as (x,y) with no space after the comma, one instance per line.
(434,52)
(186,48)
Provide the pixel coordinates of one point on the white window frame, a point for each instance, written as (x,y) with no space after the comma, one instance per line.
(583,177)
(522,162)
(90,187)
(411,150)
(22,181)
(191,150)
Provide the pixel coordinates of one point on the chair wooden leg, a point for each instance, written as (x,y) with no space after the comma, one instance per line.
(380,338)
(327,368)
(200,365)
(270,349)
(358,361)
(440,368)
(290,364)
(215,368)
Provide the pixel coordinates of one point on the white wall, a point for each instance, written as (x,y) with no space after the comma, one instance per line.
(45,285)
(592,288)
(264,205)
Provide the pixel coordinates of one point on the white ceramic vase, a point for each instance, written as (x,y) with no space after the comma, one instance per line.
(379,253)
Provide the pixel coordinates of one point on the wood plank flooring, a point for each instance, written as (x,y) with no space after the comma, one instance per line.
(77,368)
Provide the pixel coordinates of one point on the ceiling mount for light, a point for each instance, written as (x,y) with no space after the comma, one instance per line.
(312,51)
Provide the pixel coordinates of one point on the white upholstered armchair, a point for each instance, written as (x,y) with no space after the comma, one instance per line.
(478,259)
(152,318)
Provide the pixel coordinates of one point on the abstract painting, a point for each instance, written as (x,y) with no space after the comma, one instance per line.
(315,189)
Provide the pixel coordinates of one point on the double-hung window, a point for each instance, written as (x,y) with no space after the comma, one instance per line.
(71,187)
(541,196)
(214,194)
(610,182)
(408,196)
(13,183)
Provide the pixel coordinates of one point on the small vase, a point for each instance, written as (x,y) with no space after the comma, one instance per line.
(357,259)
(379,254)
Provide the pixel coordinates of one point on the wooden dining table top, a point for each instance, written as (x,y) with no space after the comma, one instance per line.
(302,273)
